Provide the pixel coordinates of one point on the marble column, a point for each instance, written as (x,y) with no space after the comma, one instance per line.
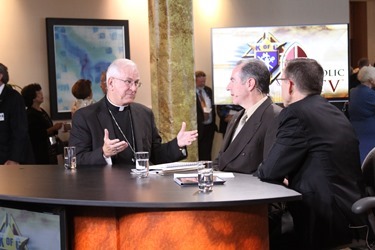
(172,68)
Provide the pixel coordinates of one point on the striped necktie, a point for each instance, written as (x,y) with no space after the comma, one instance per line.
(203,104)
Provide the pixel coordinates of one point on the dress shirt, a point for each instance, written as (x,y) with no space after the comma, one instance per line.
(208,103)
(248,113)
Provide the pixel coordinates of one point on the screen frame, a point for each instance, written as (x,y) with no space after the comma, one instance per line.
(343,96)
(60,91)
(43,208)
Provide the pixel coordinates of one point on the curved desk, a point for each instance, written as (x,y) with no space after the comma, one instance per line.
(109,208)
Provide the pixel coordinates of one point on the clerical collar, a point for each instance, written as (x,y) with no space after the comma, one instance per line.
(120,108)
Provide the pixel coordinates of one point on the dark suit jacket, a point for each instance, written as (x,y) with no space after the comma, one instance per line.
(245,153)
(200,115)
(362,117)
(14,138)
(206,132)
(316,148)
(87,134)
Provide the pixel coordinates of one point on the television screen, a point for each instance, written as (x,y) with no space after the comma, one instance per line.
(29,227)
(328,44)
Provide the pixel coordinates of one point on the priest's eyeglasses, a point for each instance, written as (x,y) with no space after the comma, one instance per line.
(129,83)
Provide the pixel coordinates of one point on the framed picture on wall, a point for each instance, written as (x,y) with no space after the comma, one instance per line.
(81,49)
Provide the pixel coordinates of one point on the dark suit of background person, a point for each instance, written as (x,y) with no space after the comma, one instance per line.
(316,149)
(226,113)
(42,131)
(206,123)
(15,147)
(136,122)
(249,86)
(362,110)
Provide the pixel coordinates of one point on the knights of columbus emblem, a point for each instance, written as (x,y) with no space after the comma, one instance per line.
(269,50)
(274,53)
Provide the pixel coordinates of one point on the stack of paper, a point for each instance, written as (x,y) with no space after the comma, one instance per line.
(216,173)
(169,168)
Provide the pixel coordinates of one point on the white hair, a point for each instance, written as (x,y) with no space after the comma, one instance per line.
(366,74)
(117,65)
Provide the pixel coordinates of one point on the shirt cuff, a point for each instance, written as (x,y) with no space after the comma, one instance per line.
(183,151)
(108,160)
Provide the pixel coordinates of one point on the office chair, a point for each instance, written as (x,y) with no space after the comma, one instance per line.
(367,204)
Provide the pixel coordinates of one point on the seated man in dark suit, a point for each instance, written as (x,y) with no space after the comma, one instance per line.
(113,129)
(315,153)
(245,140)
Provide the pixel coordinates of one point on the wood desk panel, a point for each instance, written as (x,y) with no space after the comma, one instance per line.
(244,228)
(118,228)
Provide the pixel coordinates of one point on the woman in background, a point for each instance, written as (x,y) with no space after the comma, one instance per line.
(42,131)
(362,110)
(82,91)
(103,82)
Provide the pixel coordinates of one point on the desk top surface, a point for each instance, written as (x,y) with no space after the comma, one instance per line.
(114,186)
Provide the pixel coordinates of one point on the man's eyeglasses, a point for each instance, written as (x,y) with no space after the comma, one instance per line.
(129,83)
(279,80)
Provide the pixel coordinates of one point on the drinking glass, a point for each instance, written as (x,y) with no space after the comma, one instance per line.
(205,176)
(70,160)
(142,163)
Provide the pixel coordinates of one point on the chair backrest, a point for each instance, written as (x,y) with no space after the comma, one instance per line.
(366,205)
(368,170)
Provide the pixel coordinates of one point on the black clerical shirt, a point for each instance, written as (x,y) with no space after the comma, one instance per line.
(124,121)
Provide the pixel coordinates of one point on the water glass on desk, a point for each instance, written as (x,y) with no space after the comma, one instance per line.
(70,160)
(142,163)
(205,176)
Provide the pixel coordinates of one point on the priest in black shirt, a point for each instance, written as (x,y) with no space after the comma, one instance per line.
(113,129)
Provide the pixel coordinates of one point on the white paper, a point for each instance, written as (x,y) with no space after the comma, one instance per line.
(216,173)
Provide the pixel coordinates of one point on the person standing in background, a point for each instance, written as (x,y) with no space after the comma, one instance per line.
(82,91)
(205,117)
(362,110)
(103,82)
(42,131)
(15,146)
(353,79)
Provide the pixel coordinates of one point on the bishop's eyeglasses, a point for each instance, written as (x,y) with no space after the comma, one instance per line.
(129,83)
